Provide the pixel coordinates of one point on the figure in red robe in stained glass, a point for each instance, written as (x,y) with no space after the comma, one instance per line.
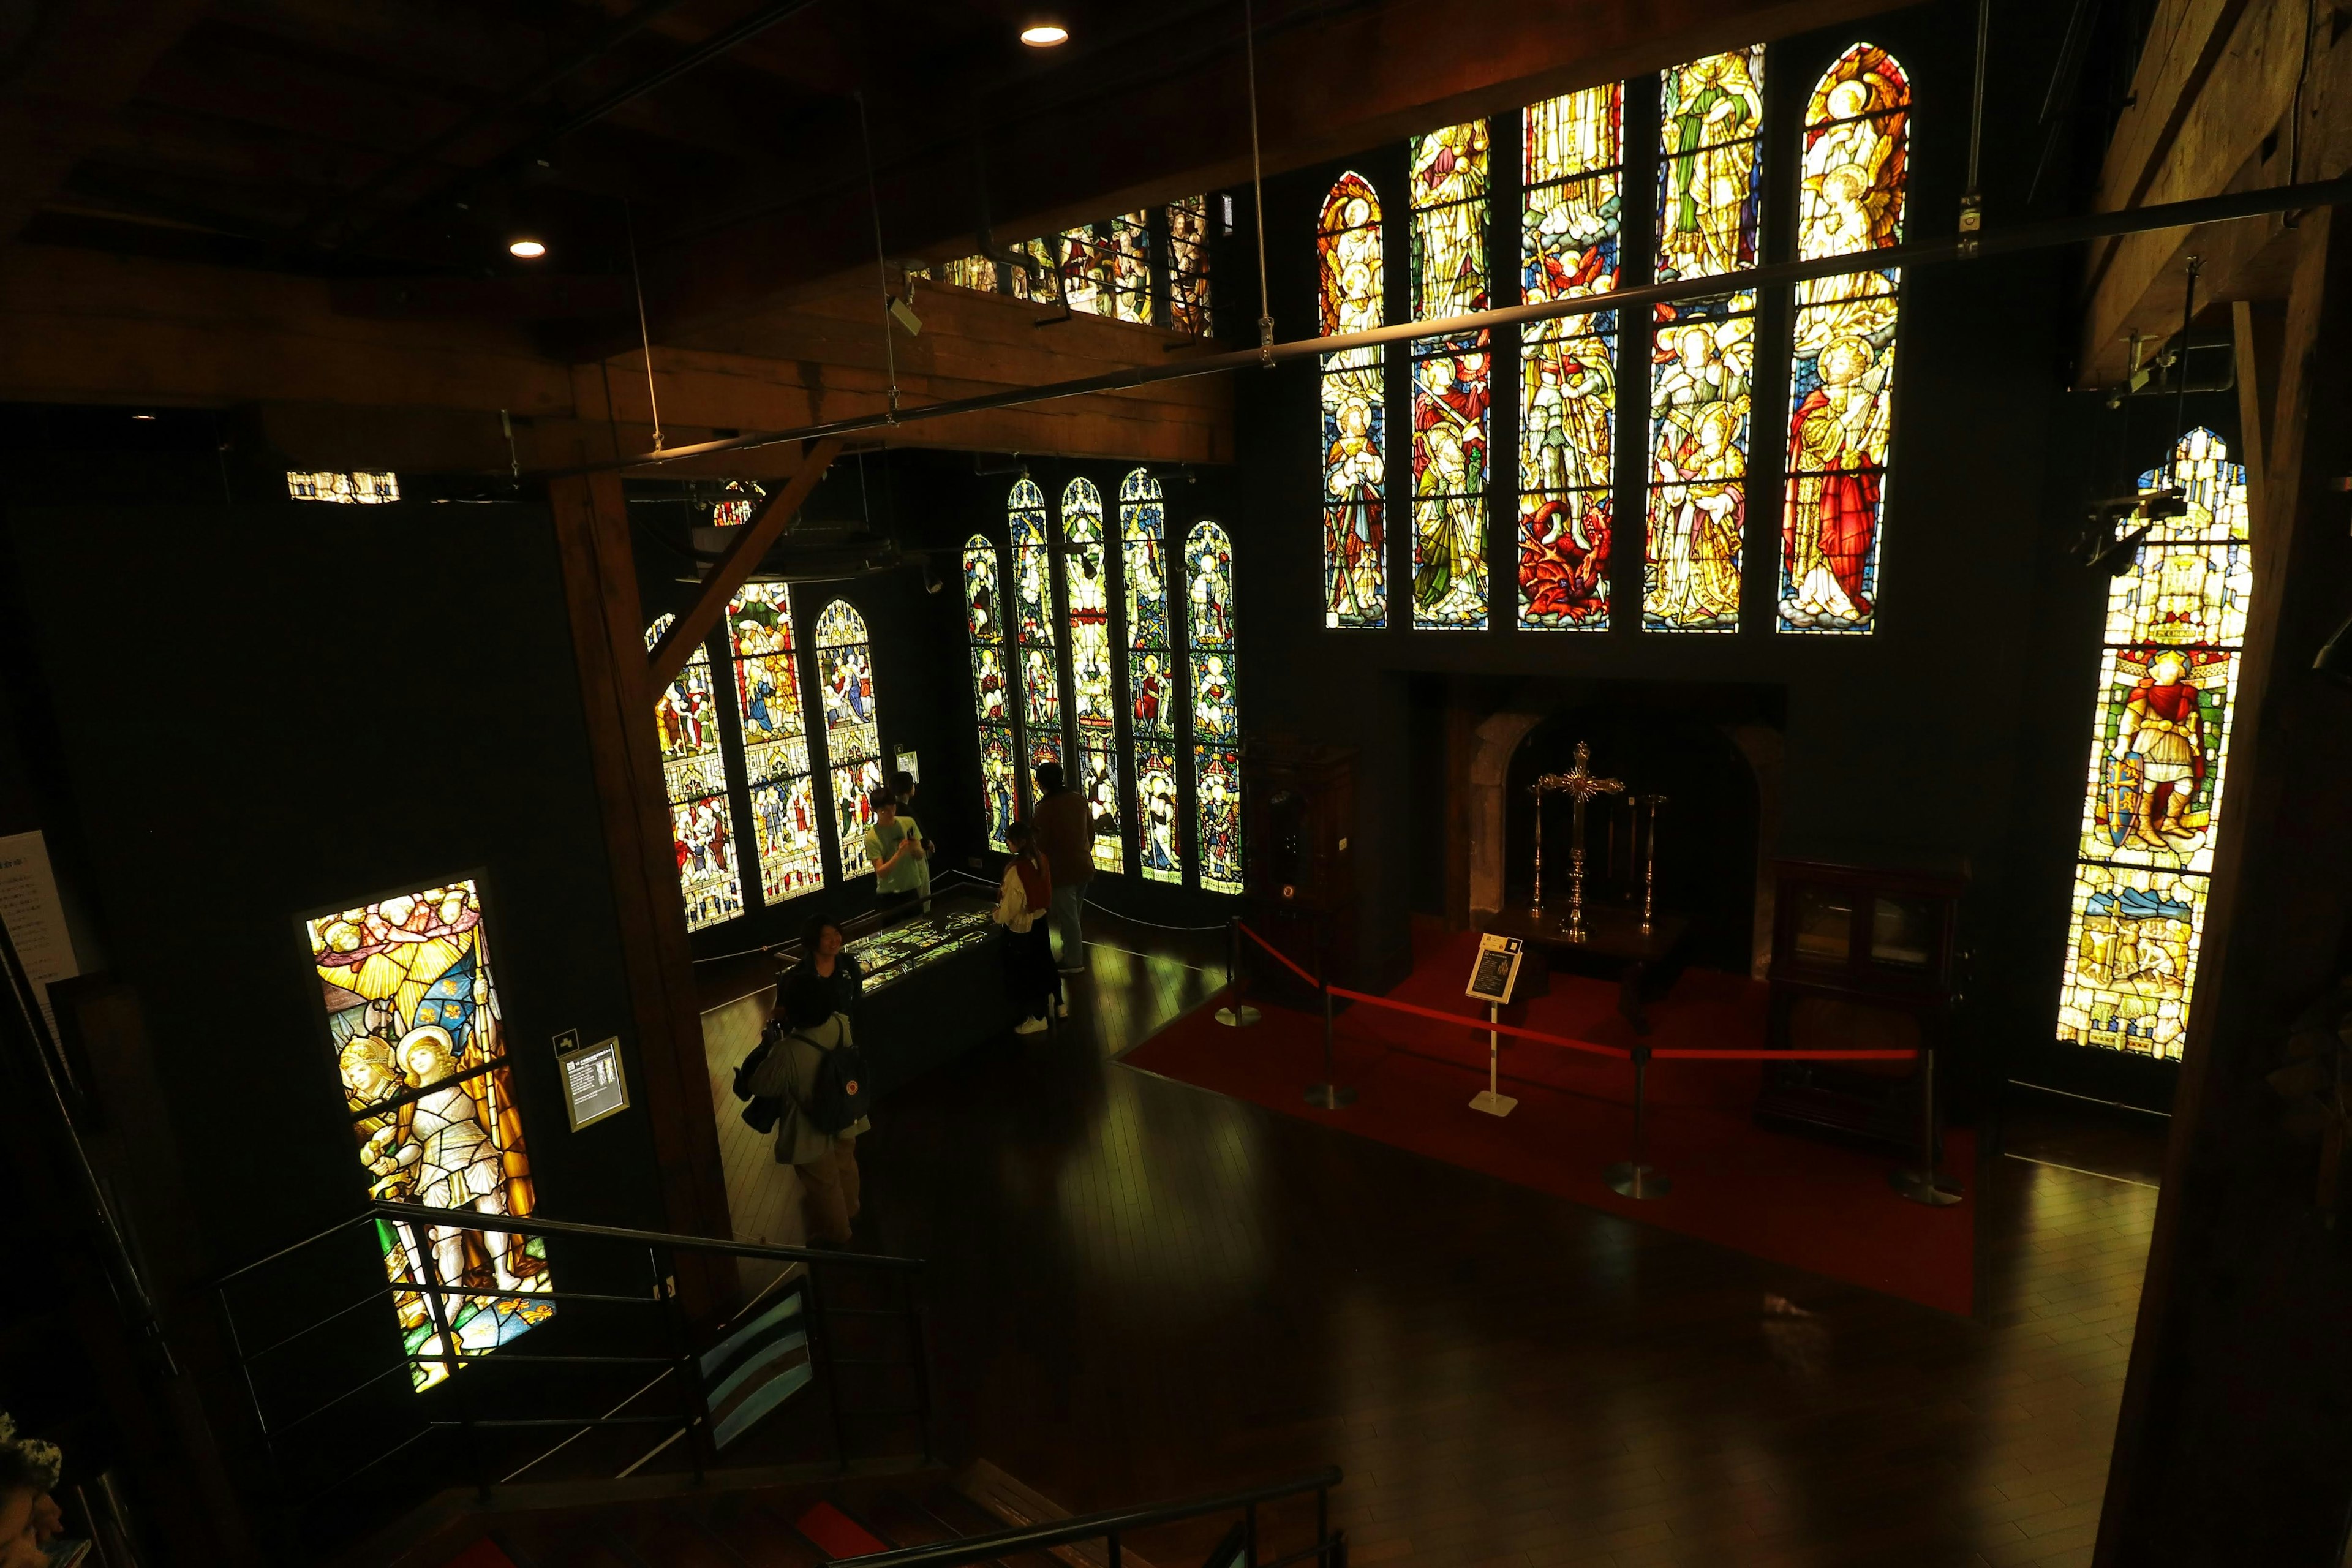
(2163,741)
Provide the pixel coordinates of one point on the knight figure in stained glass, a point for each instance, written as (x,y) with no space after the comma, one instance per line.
(990,696)
(1354,440)
(1085,587)
(1216,728)
(1572,153)
(1711,112)
(1150,676)
(413,1019)
(2160,746)
(694,774)
(853,747)
(776,741)
(1702,369)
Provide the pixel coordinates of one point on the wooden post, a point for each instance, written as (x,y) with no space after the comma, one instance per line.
(600,582)
(2231,1446)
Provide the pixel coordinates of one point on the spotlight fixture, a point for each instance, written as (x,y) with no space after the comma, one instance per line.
(528,249)
(1043,32)
(142,416)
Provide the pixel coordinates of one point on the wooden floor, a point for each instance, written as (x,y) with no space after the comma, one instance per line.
(1142,1290)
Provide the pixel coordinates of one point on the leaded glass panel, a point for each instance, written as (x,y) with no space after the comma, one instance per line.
(1841,417)
(1703,359)
(693,778)
(1354,415)
(1216,728)
(853,748)
(1711,113)
(776,741)
(1151,662)
(1085,585)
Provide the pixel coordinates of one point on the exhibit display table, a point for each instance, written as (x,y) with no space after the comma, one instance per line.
(935,987)
(1614,945)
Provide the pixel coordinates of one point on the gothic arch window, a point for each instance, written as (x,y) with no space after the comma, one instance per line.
(776,741)
(1453,379)
(1216,727)
(1086,587)
(694,776)
(853,747)
(1354,414)
(1703,351)
(2161,730)
(1033,592)
(992,700)
(1573,154)
(1850,202)
(1152,681)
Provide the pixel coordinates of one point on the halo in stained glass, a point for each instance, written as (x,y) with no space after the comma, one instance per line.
(1354,440)
(693,778)
(1702,366)
(1216,728)
(1152,676)
(853,748)
(776,741)
(1856,163)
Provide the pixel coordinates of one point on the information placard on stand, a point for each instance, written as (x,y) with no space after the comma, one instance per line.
(1492,978)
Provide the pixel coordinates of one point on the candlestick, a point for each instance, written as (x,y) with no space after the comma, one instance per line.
(1536,790)
(1651,803)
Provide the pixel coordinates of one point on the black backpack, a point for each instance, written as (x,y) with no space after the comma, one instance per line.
(839,1096)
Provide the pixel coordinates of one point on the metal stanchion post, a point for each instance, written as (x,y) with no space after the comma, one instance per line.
(1327,1094)
(1923,1185)
(1236,1014)
(1492,1100)
(1631,1178)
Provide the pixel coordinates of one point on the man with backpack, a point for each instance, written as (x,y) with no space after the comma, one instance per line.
(806,1079)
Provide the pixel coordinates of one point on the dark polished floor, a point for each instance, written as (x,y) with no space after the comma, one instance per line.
(1143,1290)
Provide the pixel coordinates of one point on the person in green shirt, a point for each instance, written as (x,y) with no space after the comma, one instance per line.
(894,847)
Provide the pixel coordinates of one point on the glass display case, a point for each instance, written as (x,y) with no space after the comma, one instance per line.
(1863,958)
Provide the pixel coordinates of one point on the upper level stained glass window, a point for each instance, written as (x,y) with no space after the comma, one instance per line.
(991,699)
(1711,115)
(1033,595)
(1572,176)
(1355,420)
(1151,680)
(1452,379)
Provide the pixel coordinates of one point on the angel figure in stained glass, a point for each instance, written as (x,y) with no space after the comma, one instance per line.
(1712,112)
(1854,157)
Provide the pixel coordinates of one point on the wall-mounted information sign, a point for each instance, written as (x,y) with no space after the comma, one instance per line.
(593,1085)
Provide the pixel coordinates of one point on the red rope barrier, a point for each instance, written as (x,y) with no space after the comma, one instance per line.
(1620,1052)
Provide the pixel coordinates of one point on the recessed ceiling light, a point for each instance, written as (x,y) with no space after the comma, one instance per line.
(1043,32)
(528,249)
(142,416)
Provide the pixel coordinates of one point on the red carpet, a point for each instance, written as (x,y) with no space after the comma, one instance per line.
(1792,1200)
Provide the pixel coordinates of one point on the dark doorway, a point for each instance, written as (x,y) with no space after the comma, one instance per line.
(1706,834)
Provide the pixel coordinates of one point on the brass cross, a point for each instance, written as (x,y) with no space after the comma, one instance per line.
(1580,786)
(1579,781)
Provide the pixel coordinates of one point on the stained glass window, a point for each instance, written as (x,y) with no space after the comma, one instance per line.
(1842,362)
(1151,683)
(415,1023)
(1033,594)
(2167,697)
(967,272)
(1043,284)
(776,741)
(1355,418)
(1216,727)
(1703,362)
(694,775)
(853,747)
(1188,266)
(362,489)
(1000,790)
(1452,379)
(1085,585)
(1711,112)
(1572,172)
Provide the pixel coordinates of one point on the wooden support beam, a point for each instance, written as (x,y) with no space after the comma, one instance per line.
(771,522)
(591,536)
(2256,331)
(2230,1446)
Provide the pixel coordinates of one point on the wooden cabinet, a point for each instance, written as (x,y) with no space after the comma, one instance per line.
(1862,959)
(1298,808)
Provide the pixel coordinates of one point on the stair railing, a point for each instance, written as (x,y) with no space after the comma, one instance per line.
(1241,1547)
(662,1331)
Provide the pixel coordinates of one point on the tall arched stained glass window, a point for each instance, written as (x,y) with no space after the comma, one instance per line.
(694,776)
(1452,379)
(1216,727)
(1033,592)
(1573,152)
(1703,351)
(776,741)
(1085,585)
(852,744)
(1000,791)
(1355,420)
(2160,736)
(1842,363)
(1151,683)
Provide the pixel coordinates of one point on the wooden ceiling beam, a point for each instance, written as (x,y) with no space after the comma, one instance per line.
(771,520)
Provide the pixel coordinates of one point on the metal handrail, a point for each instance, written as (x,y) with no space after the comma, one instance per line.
(1114,1522)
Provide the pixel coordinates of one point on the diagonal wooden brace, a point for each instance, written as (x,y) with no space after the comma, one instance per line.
(771,522)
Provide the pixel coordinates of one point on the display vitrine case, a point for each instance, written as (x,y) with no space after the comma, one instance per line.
(1862,959)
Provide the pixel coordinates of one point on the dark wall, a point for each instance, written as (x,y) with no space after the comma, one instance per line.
(267,709)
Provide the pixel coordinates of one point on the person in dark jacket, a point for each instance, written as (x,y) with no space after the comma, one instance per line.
(1022,901)
(1066,833)
(825,1161)
(820,952)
